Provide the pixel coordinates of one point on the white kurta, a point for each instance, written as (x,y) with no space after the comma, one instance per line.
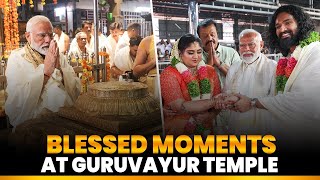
(123,60)
(113,44)
(123,42)
(61,41)
(74,49)
(89,46)
(297,110)
(103,42)
(253,80)
(27,99)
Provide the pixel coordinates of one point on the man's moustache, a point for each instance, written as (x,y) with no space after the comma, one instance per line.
(285,32)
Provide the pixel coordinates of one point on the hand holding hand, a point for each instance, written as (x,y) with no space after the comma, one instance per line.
(243,105)
(219,101)
(230,100)
(167,112)
(203,118)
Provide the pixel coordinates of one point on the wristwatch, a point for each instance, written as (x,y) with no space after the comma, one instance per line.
(253,102)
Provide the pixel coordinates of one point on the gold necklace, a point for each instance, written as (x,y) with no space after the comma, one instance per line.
(193,71)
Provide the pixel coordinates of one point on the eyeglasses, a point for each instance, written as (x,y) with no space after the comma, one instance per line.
(251,45)
(83,39)
(43,35)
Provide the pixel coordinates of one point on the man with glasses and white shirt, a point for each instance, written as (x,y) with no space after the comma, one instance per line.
(39,78)
(253,77)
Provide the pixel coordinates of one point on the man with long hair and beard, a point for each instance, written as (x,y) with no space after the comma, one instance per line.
(290,37)
(295,107)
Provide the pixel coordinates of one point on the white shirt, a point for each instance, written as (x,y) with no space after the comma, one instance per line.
(123,41)
(26,98)
(123,60)
(253,80)
(113,44)
(89,46)
(296,110)
(61,41)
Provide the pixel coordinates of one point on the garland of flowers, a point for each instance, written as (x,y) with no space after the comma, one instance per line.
(86,77)
(286,65)
(107,63)
(1,3)
(6,23)
(10,21)
(197,90)
(15,29)
(31,3)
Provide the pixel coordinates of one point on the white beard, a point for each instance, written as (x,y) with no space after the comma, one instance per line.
(250,59)
(41,50)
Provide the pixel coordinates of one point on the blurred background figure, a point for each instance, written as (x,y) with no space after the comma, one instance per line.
(61,38)
(79,48)
(113,38)
(125,58)
(133,30)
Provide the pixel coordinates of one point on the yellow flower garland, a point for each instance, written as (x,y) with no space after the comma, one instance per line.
(86,77)
(10,21)
(1,3)
(31,3)
(107,63)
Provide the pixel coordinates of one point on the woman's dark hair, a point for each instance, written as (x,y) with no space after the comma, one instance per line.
(305,24)
(186,40)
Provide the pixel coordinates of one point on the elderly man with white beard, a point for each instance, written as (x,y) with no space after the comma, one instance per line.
(39,79)
(253,77)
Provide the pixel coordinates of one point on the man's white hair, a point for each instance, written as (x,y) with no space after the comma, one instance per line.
(247,31)
(79,34)
(35,20)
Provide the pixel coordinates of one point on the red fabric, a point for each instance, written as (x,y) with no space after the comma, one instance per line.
(173,87)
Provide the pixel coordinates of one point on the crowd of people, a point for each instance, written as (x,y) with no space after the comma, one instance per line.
(164,49)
